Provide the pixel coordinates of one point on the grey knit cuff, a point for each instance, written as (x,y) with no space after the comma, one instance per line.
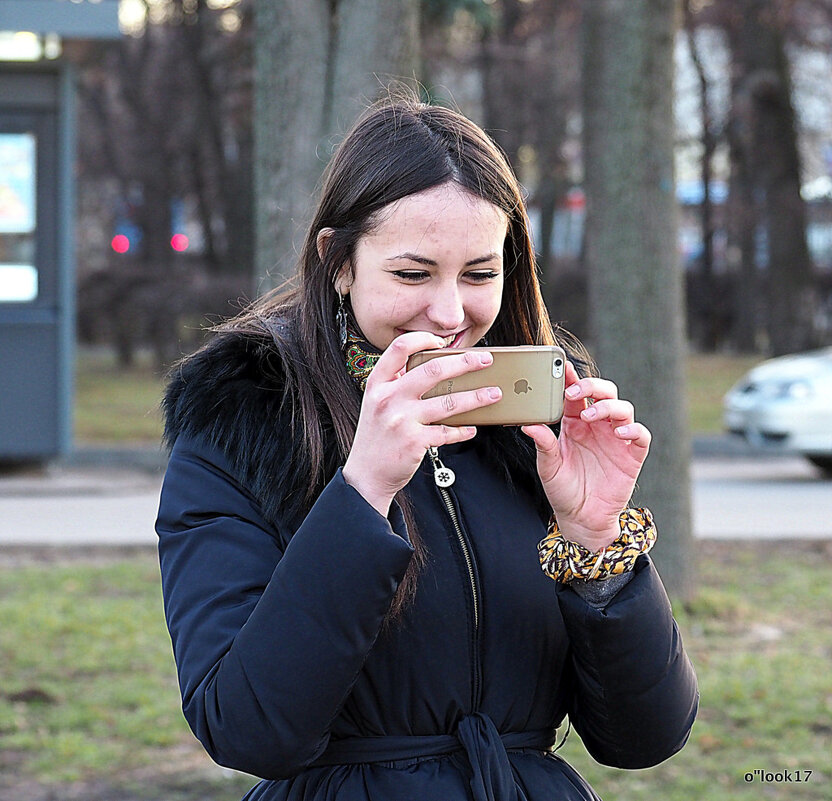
(599,593)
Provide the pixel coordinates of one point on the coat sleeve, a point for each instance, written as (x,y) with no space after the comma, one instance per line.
(636,693)
(268,640)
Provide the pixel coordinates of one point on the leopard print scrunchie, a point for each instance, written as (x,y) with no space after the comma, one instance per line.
(564,560)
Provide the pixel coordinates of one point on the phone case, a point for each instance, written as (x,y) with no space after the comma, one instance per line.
(530,376)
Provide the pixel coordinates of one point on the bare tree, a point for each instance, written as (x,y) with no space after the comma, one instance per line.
(317,62)
(708,292)
(165,116)
(767,169)
(776,288)
(635,281)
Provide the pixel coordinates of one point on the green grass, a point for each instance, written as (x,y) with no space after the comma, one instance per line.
(89,705)
(88,694)
(117,406)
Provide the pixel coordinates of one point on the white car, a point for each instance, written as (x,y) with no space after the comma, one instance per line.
(785,404)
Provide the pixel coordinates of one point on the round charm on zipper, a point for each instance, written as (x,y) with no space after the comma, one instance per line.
(443,476)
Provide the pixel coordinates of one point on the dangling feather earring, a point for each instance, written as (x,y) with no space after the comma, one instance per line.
(341,320)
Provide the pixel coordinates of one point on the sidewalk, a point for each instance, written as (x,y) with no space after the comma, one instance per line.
(80,504)
(110,497)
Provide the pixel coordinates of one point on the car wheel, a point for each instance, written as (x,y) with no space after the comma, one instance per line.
(823,462)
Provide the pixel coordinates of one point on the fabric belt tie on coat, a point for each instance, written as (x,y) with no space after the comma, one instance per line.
(476,735)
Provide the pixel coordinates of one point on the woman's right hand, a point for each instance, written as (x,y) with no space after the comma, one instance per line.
(396,425)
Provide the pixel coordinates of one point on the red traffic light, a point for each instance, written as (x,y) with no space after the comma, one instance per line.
(120,243)
(179,242)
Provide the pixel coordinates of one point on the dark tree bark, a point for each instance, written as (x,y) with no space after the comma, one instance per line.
(635,279)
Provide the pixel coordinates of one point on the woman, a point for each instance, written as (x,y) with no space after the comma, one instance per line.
(343,627)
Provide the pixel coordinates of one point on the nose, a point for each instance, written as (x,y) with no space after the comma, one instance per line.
(446,310)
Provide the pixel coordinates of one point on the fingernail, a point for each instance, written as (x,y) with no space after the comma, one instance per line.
(589,414)
(494,392)
(486,358)
(623,431)
(573,391)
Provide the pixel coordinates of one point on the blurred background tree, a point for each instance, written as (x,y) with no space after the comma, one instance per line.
(165,173)
(766,119)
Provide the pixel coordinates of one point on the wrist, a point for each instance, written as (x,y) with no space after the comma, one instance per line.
(593,539)
(380,501)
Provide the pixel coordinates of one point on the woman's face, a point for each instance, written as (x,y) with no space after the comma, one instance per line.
(434,262)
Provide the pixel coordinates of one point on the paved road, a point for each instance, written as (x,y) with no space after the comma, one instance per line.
(764,498)
(737,497)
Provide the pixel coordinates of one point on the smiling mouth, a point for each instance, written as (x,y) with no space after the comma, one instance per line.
(451,341)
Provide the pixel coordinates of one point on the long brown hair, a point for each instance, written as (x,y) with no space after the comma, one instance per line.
(397,148)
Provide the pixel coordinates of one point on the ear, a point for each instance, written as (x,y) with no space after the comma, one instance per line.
(322,240)
(343,279)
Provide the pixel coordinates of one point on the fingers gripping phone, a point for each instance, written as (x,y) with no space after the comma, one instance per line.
(531,378)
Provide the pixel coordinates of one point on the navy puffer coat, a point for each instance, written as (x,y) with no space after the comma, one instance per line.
(290,671)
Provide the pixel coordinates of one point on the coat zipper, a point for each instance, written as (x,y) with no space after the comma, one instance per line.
(443,478)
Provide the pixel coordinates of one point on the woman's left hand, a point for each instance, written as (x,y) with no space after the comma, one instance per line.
(589,471)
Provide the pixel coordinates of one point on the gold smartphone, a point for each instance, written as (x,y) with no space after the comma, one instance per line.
(530,376)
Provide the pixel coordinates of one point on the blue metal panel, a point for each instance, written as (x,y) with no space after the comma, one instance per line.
(81,20)
(28,401)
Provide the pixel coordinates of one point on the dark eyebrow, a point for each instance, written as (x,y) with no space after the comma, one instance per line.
(431,263)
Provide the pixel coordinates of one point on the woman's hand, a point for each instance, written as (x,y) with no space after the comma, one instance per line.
(590,470)
(396,426)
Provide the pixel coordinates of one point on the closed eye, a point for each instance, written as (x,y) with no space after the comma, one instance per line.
(410,275)
(481,276)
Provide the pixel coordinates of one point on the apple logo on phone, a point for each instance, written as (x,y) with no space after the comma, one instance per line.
(521,386)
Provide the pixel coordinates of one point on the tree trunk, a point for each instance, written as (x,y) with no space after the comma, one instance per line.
(317,64)
(763,108)
(742,228)
(635,279)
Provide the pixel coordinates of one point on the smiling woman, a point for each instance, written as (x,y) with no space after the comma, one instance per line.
(353,586)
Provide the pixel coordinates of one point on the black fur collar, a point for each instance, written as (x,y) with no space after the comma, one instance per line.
(230,395)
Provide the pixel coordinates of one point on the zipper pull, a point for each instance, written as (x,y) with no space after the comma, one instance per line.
(443,476)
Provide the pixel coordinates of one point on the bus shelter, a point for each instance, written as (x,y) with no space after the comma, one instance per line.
(37,275)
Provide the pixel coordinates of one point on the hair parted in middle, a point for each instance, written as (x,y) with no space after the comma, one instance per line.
(401,147)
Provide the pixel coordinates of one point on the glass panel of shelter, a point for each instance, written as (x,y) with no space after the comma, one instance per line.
(18,217)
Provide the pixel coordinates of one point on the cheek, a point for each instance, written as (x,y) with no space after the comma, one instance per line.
(383,308)
(488,306)
(398,304)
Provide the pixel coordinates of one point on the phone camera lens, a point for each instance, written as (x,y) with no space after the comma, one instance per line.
(558,363)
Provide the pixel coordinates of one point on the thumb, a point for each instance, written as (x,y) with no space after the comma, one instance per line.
(548,449)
